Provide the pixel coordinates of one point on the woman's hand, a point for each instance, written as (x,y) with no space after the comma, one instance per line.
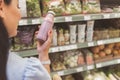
(44,48)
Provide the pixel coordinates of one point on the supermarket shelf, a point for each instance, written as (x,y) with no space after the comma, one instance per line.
(73,70)
(69,47)
(107,63)
(86,67)
(83,45)
(80,17)
(27,53)
(30,21)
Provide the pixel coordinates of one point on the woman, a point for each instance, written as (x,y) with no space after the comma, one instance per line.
(13,67)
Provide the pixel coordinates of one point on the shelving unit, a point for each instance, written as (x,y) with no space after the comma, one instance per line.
(69,47)
(107,63)
(80,17)
(87,67)
(73,18)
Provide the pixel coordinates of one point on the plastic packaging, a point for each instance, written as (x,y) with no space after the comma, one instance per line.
(81,33)
(73,33)
(45,27)
(54,37)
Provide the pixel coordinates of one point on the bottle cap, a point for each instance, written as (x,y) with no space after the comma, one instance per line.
(51,12)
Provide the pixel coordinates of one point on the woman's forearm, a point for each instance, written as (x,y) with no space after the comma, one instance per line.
(44,58)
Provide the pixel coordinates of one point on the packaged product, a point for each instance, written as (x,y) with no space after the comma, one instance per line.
(23,9)
(57,62)
(56,77)
(45,27)
(91,6)
(61,38)
(73,6)
(54,40)
(68,77)
(88,56)
(67,37)
(89,36)
(71,58)
(24,38)
(73,33)
(90,25)
(81,33)
(55,5)
(33,8)
(29,8)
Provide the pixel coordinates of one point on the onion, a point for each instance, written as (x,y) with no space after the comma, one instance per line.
(102,54)
(95,50)
(107,51)
(101,47)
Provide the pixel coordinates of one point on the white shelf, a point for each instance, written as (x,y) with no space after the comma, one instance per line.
(69,47)
(71,18)
(86,67)
(70,71)
(107,63)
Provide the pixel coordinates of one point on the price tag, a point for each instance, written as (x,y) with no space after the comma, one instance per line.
(90,44)
(23,22)
(67,19)
(99,65)
(70,47)
(63,48)
(79,69)
(60,73)
(118,14)
(87,17)
(73,47)
(110,63)
(117,40)
(35,21)
(118,61)
(50,50)
(54,49)
(106,15)
(66,47)
(100,42)
(90,67)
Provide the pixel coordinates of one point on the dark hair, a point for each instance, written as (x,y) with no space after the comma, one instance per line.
(7,2)
(4,47)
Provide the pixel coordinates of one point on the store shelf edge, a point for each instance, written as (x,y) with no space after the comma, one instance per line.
(86,67)
(71,18)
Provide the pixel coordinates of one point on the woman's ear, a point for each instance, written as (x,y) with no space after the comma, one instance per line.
(1,8)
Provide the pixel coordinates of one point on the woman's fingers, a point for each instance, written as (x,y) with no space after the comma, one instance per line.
(46,45)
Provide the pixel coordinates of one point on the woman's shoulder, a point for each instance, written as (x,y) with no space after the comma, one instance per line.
(15,66)
(25,68)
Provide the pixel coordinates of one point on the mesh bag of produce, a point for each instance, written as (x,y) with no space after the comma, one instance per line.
(24,38)
(55,5)
(73,6)
(33,8)
(30,8)
(91,6)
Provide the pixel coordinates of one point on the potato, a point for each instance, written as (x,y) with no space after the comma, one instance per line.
(119,51)
(107,51)
(101,47)
(96,56)
(117,44)
(102,54)
(110,45)
(115,52)
(95,50)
